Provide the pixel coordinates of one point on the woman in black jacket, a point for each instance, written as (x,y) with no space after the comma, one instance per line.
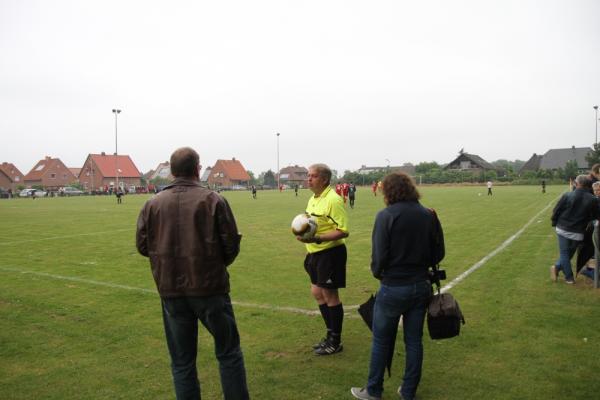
(403,248)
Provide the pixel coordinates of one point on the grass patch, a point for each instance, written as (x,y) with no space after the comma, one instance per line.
(525,338)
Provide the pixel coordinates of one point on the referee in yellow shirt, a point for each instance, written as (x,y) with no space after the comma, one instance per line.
(325,262)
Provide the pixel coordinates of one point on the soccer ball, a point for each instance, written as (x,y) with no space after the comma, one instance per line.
(304,225)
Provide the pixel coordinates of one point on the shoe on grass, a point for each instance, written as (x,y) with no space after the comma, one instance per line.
(361,393)
(322,343)
(569,281)
(329,348)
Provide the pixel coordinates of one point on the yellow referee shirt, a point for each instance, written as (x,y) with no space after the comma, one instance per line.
(330,214)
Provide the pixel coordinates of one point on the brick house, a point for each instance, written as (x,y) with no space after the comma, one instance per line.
(51,174)
(10,177)
(228,173)
(101,171)
(163,170)
(293,175)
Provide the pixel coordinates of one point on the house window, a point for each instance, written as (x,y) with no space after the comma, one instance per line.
(465,164)
(64,176)
(52,176)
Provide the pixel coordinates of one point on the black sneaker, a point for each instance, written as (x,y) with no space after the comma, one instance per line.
(329,348)
(322,343)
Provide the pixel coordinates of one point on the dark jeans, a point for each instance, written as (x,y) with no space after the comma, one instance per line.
(566,250)
(180,316)
(410,302)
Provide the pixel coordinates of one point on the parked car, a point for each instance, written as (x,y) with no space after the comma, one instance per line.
(32,192)
(3,193)
(70,191)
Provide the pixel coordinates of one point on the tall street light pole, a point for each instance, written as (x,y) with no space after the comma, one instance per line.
(596,108)
(116,112)
(278,183)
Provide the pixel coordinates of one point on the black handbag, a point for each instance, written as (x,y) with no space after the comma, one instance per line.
(444,316)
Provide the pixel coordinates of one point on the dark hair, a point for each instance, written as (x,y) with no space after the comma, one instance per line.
(596,169)
(184,162)
(323,170)
(398,186)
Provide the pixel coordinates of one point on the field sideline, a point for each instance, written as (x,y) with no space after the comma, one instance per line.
(81,318)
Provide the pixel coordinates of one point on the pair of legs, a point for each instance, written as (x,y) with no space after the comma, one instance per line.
(180,317)
(566,250)
(327,271)
(392,302)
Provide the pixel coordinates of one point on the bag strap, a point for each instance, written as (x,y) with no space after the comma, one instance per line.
(435,267)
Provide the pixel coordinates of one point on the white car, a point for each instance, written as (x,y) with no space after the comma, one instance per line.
(32,192)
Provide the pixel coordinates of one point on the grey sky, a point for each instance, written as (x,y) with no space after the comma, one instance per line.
(344,82)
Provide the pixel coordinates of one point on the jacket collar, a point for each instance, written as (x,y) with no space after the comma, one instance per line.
(183,182)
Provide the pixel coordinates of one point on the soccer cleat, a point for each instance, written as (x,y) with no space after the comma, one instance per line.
(361,393)
(322,343)
(329,348)
(553,273)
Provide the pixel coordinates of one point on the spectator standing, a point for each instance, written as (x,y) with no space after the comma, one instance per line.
(190,234)
(570,217)
(403,242)
(253,192)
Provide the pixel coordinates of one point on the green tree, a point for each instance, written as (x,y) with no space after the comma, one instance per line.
(253,180)
(593,156)
(571,169)
(269,178)
(425,167)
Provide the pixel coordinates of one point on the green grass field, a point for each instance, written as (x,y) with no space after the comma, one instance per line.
(80,317)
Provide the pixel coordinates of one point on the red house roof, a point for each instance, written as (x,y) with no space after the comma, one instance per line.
(107,164)
(11,172)
(233,169)
(42,166)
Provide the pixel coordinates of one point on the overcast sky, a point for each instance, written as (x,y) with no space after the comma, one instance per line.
(345,82)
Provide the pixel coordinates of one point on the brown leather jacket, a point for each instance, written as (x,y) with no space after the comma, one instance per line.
(190,235)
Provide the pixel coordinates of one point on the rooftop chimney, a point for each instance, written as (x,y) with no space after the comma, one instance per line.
(103,154)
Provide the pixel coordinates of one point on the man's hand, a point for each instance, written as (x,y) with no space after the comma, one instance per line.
(315,239)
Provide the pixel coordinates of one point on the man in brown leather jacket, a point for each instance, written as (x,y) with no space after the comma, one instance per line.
(190,235)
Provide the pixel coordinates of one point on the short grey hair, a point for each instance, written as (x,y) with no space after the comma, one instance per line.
(595,184)
(583,180)
(323,170)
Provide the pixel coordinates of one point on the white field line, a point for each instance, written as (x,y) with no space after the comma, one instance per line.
(271,307)
(63,237)
(485,259)
(152,291)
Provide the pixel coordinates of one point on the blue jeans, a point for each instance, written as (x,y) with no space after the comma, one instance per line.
(410,302)
(566,250)
(180,317)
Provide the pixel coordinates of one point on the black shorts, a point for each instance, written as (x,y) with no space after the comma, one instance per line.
(327,268)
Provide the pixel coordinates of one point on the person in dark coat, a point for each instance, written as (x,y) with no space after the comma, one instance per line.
(403,247)
(191,237)
(571,217)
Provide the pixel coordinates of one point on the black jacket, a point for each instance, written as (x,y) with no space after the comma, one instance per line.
(574,210)
(406,242)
